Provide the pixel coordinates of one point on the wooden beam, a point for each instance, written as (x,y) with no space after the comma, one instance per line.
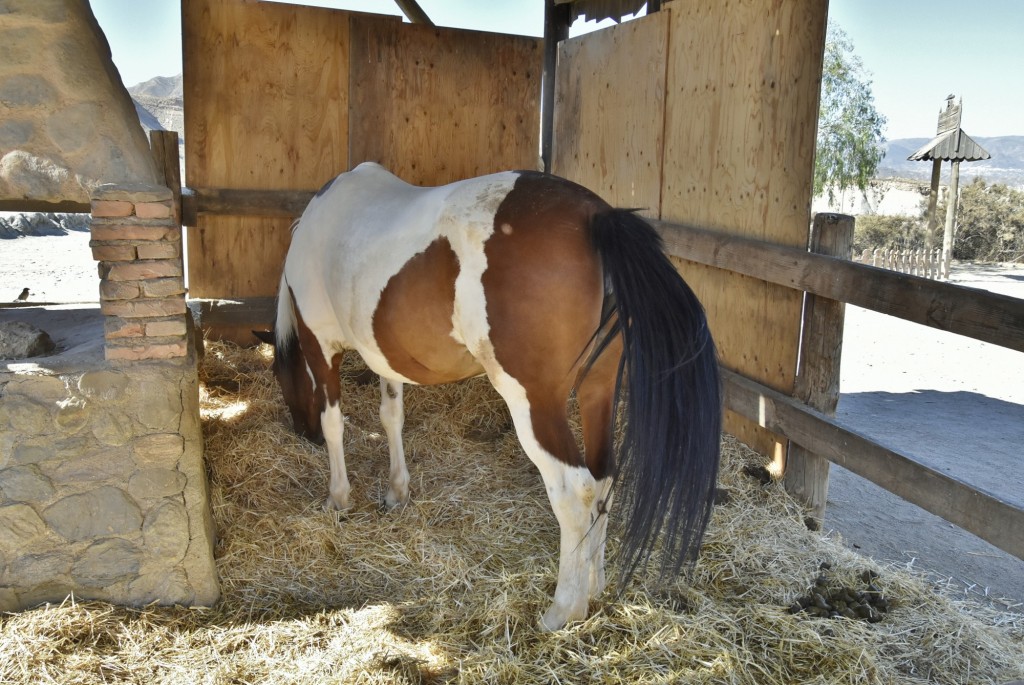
(979,314)
(224,202)
(164,148)
(556,29)
(981,513)
(805,474)
(253,312)
(31,206)
(413,12)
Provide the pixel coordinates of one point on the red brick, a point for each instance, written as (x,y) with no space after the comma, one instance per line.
(133,232)
(116,327)
(102,251)
(135,309)
(163,287)
(159,250)
(112,208)
(153,210)
(138,352)
(119,290)
(144,271)
(170,327)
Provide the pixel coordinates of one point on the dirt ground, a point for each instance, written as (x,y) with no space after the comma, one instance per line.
(952,402)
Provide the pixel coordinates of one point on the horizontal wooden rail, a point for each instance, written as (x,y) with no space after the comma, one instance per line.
(256,312)
(979,512)
(228,202)
(978,314)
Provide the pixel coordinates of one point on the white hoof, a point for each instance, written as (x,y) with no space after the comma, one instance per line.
(393,500)
(332,504)
(556,617)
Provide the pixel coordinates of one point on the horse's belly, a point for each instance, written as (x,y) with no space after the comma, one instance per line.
(413,322)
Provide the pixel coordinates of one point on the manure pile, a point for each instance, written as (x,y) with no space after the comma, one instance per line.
(450,588)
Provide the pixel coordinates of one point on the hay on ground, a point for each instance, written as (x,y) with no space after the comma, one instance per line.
(450,588)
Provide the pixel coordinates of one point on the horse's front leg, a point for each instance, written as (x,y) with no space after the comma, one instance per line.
(333,424)
(392,416)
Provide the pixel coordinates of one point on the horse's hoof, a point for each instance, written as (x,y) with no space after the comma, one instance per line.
(331,506)
(556,617)
(393,501)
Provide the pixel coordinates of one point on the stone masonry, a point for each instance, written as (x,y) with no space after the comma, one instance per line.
(67,124)
(103,490)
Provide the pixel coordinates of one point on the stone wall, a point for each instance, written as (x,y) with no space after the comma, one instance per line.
(102,486)
(67,124)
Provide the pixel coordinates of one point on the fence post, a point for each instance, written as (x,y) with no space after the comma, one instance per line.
(817,380)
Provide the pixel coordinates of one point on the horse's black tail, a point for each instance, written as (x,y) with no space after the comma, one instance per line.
(667,461)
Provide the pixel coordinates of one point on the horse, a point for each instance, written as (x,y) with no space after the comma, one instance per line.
(539,284)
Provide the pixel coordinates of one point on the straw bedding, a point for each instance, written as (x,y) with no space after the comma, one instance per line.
(450,587)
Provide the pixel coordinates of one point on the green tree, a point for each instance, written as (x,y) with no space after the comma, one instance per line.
(990,223)
(850,141)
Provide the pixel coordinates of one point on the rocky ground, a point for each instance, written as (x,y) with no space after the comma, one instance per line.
(952,402)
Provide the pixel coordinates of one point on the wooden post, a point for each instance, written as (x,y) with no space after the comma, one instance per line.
(817,382)
(556,29)
(164,148)
(933,200)
(947,235)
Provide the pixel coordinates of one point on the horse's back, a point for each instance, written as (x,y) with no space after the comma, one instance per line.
(435,284)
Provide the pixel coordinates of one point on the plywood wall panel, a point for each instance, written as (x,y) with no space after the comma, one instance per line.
(741,111)
(266,107)
(437,105)
(610,111)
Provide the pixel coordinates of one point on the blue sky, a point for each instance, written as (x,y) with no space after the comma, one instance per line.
(916,52)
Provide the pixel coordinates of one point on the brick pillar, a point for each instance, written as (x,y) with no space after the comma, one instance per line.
(137,242)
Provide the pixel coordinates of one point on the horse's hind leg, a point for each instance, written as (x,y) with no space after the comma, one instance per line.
(392,416)
(596,396)
(544,432)
(333,425)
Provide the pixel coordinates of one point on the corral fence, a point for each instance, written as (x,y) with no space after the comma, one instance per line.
(978,314)
(919,262)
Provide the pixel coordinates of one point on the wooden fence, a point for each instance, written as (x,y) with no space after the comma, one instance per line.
(979,314)
(919,262)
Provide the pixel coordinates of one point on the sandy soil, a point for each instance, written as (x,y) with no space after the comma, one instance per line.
(952,402)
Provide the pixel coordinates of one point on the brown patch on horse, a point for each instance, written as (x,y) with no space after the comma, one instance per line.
(544,286)
(327,387)
(413,320)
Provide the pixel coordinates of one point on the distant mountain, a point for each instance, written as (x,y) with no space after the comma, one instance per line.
(159,87)
(1006,165)
(160,107)
(159,103)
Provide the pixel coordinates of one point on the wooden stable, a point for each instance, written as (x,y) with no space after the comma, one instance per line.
(285,97)
(711,135)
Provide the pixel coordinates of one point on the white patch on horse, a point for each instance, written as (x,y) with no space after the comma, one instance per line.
(364,229)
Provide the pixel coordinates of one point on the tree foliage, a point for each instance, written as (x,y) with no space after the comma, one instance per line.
(990,223)
(850,141)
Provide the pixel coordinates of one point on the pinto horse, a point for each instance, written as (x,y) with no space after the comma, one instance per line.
(542,286)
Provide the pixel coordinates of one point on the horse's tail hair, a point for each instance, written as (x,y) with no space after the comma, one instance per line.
(284,322)
(668,453)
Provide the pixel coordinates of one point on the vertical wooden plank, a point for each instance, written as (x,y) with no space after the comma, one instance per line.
(609,112)
(164,146)
(266,108)
(437,105)
(817,382)
(556,29)
(741,115)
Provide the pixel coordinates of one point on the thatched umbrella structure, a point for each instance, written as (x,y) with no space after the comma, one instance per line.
(951,144)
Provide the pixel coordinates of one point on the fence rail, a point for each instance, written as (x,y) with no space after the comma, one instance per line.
(978,314)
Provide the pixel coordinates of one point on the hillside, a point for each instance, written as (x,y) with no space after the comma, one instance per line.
(1006,165)
(160,107)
